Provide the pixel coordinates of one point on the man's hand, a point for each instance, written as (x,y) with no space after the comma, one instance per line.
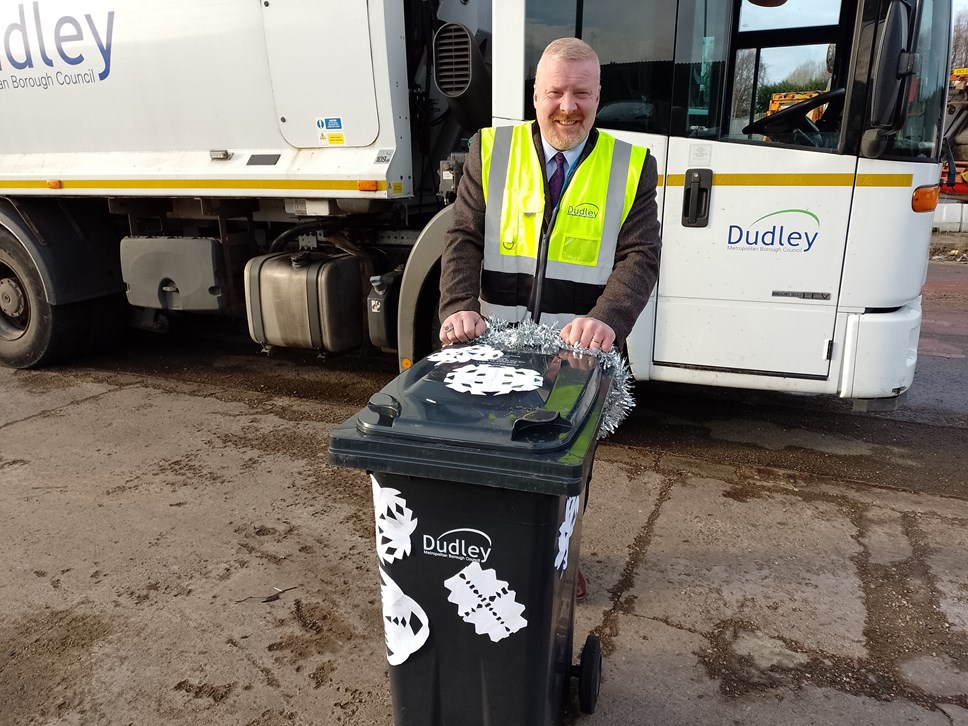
(462,327)
(588,333)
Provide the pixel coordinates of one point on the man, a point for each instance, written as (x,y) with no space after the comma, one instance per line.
(556,221)
(512,252)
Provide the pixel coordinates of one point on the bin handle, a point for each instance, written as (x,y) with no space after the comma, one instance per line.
(541,418)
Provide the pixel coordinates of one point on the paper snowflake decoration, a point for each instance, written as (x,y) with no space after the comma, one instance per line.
(405,624)
(394,523)
(485,602)
(483,380)
(565,531)
(454,354)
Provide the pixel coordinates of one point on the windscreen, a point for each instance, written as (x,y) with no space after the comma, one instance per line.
(729,71)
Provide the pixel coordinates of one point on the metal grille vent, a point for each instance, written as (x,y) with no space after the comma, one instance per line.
(452,59)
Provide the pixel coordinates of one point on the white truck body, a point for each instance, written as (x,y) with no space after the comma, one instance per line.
(291,98)
(223,130)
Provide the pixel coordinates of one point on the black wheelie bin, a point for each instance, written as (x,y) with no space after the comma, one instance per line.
(479,461)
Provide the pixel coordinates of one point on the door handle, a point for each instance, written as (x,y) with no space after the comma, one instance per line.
(695,197)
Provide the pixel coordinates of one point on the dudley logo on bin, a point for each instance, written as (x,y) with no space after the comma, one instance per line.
(470,545)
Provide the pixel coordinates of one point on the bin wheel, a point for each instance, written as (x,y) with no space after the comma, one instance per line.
(590,674)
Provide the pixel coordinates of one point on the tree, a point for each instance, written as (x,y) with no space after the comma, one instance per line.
(743,85)
(959,41)
(811,75)
(807,74)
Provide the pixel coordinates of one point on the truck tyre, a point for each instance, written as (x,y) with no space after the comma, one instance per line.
(32,331)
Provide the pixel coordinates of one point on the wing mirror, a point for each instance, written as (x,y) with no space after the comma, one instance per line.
(894,64)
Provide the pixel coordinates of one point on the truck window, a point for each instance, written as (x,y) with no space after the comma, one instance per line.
(795,14)
(702,46)
(920,136)
(634,40)
(734,73)
(769,80)
(545,21)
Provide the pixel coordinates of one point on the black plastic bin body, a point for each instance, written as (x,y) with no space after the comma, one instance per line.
(479,500)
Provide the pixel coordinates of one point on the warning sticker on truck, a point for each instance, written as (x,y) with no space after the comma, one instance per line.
(331,131)
(332,139)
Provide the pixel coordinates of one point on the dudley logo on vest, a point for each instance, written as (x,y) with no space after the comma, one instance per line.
(586,210)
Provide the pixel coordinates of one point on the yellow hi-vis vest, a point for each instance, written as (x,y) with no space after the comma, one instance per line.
(579,244)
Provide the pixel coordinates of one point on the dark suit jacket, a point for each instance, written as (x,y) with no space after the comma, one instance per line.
(636,256)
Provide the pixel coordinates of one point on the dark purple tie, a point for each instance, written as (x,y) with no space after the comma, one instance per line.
(557,180)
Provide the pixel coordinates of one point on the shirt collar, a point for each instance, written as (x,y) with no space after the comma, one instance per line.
(571,156)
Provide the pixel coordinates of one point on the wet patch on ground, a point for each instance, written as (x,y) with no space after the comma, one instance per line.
(205,690)
(11,463)
(47,664)
(321,630)
(910,644)
(622,602)
(321,481)
(39,383)
(270,717)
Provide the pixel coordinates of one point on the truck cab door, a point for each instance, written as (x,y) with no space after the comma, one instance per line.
(756,211)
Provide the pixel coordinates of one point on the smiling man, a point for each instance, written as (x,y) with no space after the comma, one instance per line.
(554,220)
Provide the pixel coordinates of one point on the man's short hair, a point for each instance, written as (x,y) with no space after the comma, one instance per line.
(570,49)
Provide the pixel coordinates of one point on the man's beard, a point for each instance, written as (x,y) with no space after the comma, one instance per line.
(566,137)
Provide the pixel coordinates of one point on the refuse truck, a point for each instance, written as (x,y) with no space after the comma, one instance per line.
(290,164)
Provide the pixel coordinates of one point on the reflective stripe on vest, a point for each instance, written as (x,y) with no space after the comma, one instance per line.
(582,243)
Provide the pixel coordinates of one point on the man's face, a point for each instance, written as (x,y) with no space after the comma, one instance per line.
(566,100)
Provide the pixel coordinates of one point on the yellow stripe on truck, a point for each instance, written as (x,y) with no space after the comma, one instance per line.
(885,180)
(297,184)
(352,185)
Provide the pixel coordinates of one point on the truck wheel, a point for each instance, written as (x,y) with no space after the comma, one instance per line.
(32,332)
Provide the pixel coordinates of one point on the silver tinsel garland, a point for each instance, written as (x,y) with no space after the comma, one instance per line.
(528,335)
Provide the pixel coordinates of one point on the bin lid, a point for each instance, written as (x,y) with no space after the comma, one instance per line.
(474,413)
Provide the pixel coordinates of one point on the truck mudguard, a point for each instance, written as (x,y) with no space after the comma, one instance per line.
(71,245)
(414,328)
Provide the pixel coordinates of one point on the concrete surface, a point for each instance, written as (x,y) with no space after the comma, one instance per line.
(178,551)
(183,554)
